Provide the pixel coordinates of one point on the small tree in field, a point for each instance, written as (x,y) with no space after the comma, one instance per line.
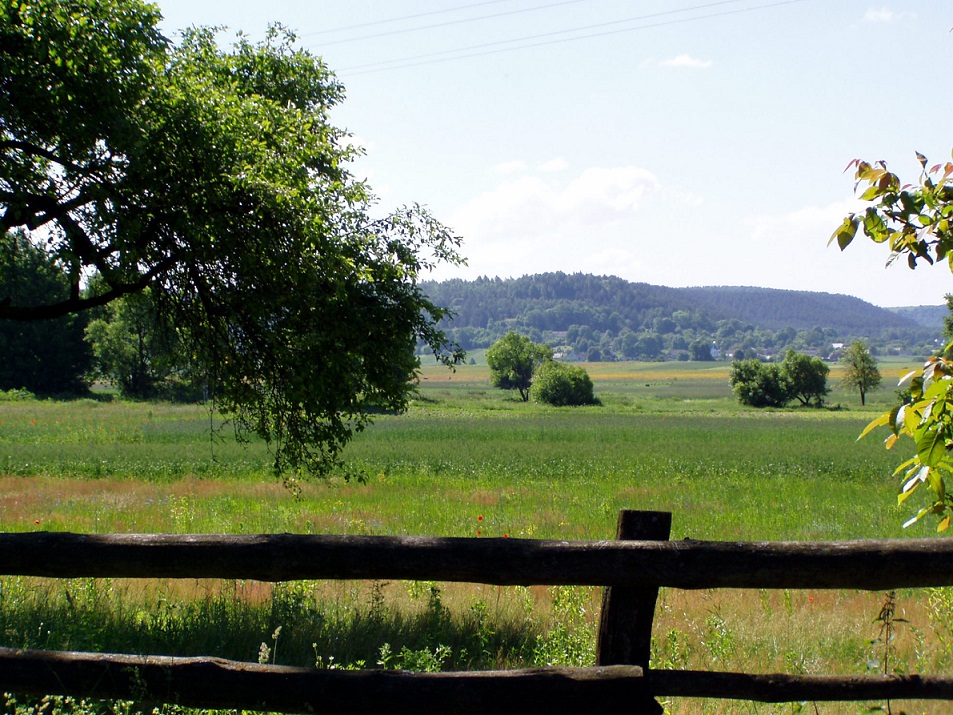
(799,377)
(562,385)
(860,370)
(513,359)
(807,377)
(759,384)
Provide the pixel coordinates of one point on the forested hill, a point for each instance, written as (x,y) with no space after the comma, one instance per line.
(775,309)
(555,302)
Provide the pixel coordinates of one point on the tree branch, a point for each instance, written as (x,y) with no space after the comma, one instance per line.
(76,303)
(49,155)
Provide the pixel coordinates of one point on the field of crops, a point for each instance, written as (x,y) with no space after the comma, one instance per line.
(468,460)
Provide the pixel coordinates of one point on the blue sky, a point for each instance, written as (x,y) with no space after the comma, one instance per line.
(680,143)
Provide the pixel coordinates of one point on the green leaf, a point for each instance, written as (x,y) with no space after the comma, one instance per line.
(883,420)
(874,225)
(931,445)
(845,233)
(913,462)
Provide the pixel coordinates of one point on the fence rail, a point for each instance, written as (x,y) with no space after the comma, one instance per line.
(632,568)
(688,564)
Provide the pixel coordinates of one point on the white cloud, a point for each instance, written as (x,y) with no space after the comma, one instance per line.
(879,15)
(553,165)
(792,247)
(510,167)
(686,61)
(531,224)
(531,204)
(612,262)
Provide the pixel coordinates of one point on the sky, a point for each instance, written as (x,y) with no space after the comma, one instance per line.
(675,142)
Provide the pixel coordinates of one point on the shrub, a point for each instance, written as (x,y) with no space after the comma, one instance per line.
(760,384)
(562,385)
(799,377)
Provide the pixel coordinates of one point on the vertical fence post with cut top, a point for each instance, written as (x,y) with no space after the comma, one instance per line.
(625,628)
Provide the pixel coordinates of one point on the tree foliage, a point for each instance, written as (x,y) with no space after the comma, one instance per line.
(860,370)
(214,177)
(799,377)
(561,385)
(513,359)
(47,358)
(759,384)
(914,221)
(135,348)
(807,377)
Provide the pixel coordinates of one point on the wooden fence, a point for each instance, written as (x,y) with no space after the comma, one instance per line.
(632,569)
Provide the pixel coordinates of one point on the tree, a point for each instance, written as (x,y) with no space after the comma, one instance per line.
(561,385)
(134,348)
(860,370)
(915,220)
(759,384)
(799,377)
(807,377)
(513,359)
(47,358)
(701,349)
(214,178)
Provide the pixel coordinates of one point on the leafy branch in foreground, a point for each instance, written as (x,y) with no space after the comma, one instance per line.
(915,220)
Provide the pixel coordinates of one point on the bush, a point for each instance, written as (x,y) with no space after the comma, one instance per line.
(799,377)
(16,395)
(760,384)
(562,385)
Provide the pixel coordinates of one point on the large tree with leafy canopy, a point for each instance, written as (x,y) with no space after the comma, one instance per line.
(915,221)
(214,178)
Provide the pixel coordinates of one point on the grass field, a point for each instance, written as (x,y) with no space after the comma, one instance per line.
(468,460)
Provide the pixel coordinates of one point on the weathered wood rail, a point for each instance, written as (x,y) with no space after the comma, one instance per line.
(632,568)
(689,564)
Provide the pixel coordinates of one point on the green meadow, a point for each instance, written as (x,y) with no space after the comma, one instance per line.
(469,460)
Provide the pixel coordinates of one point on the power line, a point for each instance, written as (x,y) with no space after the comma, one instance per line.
(400,19)
(437,57)
(455,22)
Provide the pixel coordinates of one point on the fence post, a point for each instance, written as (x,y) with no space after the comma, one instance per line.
(625,627)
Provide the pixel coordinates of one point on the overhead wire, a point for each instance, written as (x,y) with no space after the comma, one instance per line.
(495,47)
(361,25)
(456,22)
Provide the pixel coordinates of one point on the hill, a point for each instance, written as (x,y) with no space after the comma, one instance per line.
(581,311)
(929,316)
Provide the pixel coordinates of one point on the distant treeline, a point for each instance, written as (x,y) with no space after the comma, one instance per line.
(589,317)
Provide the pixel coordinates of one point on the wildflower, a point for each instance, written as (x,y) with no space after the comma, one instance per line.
(506,536)
(478,532)
(480,518)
